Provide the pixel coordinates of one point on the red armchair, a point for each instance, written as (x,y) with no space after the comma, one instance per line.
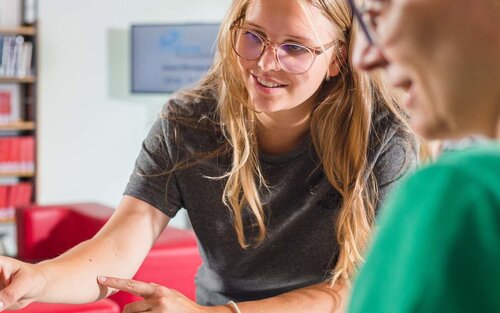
(101,306)
(47,231)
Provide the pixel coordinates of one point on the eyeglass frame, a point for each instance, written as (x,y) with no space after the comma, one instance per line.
(368,31)
(266,43)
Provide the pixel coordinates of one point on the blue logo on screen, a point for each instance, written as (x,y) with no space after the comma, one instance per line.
(171,42)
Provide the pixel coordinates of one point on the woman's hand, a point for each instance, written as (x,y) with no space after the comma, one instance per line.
(156,298)
(20,283)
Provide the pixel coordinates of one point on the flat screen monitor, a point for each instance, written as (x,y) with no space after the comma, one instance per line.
(166,58)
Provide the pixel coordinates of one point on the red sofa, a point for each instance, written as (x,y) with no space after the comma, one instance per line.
(47,231)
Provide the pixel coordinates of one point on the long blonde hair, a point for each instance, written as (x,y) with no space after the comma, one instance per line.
(340,129)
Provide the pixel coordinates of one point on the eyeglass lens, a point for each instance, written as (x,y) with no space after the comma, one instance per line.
(293,58)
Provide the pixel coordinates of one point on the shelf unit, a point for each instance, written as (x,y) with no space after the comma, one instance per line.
(20,88)
(18,104)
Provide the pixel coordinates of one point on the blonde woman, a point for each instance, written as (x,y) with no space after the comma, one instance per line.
(280,156)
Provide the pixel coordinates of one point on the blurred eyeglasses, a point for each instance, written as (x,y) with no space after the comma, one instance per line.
(367,14)
(292,57)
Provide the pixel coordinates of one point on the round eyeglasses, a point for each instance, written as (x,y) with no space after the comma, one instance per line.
(292,57)
(367,14)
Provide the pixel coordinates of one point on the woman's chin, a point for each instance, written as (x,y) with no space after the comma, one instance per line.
(266,107)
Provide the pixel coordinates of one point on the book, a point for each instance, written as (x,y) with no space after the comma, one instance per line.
(26,154)
(25,59)
(16,56)
(30,10)
(6,54)
(4,196)
(17,154)
(1,51)
(5,107)
(15,45)
(10,103)
(17,52)
(12,196)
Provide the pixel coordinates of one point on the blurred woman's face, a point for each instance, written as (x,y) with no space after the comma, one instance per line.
(271,88)
(441,52)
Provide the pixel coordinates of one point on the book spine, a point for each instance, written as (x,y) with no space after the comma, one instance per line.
(25,62)
(30,11)
(6,115)
(6,55)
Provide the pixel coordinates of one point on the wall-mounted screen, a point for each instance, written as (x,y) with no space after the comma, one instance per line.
(168,57)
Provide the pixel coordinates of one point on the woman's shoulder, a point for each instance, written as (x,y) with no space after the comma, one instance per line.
(386,125)
(392,138)
(190,105)
(190,123)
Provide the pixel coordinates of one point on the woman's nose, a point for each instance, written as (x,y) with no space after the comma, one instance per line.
(367,56)
(268,60)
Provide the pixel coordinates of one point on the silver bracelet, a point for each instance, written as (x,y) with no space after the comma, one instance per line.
(234,306)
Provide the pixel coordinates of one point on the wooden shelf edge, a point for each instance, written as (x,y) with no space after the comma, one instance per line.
(18,126)
(21,30)
(9,220)
(21,175)
(27,79)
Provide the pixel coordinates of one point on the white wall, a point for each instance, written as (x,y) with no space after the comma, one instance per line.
(90,126)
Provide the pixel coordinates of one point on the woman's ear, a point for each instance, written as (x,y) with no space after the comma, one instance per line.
(333,69)
(337,61)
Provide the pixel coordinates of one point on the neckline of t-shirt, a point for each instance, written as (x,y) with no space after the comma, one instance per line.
(300,149)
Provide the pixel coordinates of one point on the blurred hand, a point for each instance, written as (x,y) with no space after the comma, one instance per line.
(20,283)
(156,298)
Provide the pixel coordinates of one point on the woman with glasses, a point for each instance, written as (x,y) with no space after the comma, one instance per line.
(280,155)
(438,244)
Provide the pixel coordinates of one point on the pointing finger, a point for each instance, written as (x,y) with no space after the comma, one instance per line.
(138,288)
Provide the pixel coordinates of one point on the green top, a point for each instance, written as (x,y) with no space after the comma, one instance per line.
(437,248)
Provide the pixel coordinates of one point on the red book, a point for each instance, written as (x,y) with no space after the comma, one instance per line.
(24,194)
(25,159)
(30,153)
(22,159)
(13,195)
(7,162)
(8,106)
(3,154)
(15,154)
(4,108)
(4,190)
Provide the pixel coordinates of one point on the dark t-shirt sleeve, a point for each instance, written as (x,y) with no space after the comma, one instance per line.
(152,180)
(397,157)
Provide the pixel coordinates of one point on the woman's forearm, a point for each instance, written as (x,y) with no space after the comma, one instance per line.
(117,250)
(71,278)
(319,298)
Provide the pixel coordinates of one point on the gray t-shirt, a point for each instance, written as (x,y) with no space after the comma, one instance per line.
(301,248)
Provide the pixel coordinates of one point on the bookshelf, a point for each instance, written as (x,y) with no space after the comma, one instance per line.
(18,101)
